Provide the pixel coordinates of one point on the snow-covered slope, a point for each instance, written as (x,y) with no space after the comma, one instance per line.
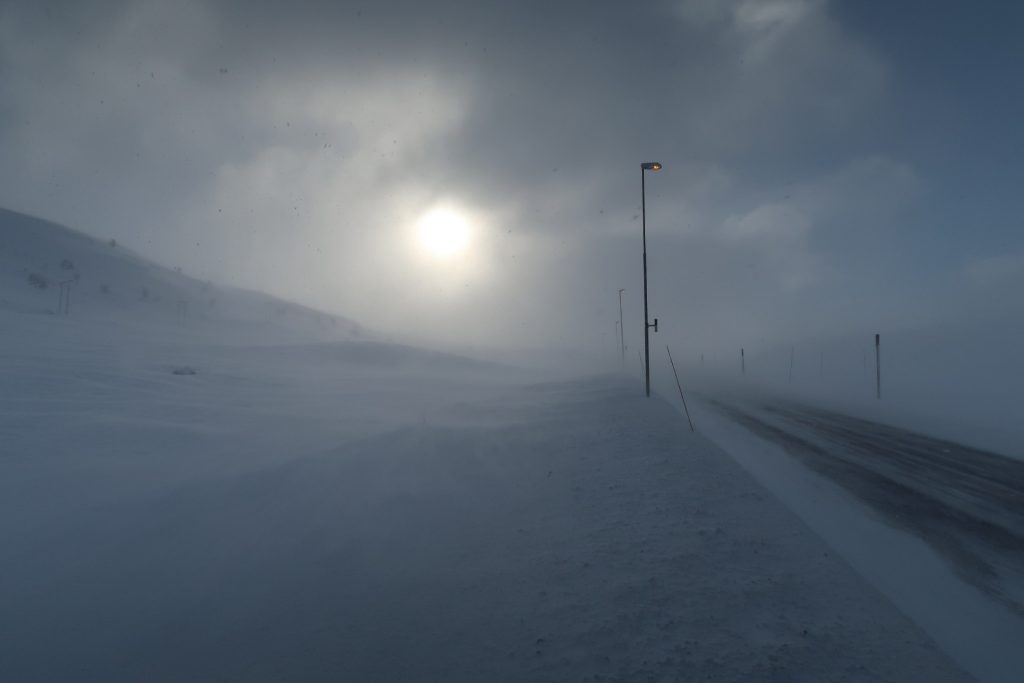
(111,283)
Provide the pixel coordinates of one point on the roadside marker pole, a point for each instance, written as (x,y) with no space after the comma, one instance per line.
(878,366)
(64,297)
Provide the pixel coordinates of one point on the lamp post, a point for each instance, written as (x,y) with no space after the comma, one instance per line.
(646,166)
(622,333)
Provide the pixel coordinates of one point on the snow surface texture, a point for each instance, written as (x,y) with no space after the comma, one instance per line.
(346,510)
(576,531)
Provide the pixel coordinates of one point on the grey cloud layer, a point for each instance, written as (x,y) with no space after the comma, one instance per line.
(290,147)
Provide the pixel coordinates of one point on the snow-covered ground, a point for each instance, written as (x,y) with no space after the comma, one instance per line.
(167,527)
(311,506)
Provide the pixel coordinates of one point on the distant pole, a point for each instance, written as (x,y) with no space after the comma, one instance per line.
(64,297)
(702,359)
(622,332)
(878,366)
(743,362)
(792,352)
(680,387)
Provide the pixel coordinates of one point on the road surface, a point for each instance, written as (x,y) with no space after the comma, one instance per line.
(966,503)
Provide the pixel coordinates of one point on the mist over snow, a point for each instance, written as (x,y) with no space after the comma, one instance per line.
(312,365)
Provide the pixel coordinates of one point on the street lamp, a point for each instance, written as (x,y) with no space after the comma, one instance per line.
(648,166)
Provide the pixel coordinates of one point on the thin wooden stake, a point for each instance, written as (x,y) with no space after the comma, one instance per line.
(680,388)
(878,367)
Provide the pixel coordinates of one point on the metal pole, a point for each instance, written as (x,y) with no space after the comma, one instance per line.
(878,366)
(647,325)
(622,332)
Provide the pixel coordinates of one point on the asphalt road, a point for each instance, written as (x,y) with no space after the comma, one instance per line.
(966,503)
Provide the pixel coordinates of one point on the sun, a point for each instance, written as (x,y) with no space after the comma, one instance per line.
(443,232)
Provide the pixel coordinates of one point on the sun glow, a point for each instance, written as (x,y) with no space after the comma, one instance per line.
(443,232)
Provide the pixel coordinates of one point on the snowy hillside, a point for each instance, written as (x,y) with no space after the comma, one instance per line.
(109,282)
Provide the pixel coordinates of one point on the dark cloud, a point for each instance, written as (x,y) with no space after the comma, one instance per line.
(297,144)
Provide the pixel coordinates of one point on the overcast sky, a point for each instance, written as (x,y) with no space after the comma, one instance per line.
(829,166)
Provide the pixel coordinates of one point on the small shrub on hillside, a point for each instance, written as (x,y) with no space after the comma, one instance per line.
(66,264)
(38,281)
(104,289)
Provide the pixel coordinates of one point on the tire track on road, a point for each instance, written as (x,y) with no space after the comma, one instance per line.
(966,504)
